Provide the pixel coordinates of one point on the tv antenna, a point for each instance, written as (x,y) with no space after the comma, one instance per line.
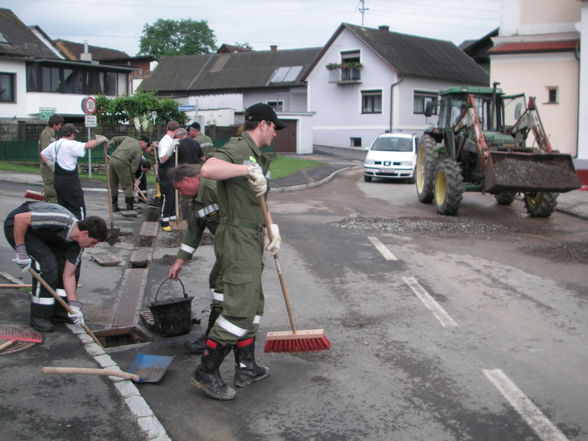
(362,10)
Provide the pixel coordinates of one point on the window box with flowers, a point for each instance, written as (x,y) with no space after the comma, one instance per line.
(344,72)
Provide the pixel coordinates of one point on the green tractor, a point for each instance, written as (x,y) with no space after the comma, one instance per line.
(479,145)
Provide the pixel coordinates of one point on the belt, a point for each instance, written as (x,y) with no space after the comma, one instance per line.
(241,223)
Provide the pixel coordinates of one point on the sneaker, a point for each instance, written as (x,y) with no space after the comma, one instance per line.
(41,324)
(168,228)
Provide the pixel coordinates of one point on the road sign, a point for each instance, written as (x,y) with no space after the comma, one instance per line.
(46,112)
(91,121)
(89,105)
(186,107)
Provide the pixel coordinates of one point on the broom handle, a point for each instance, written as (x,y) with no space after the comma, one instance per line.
(268,228)
(90,371)
(62,303)
(109,202)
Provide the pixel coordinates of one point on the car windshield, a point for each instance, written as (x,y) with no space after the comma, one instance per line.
(389,144)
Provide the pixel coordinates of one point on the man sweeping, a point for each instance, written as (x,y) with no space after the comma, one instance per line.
(50,239)
(240,169)
(202,214)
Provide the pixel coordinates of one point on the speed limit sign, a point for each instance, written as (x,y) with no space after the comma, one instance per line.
(89,105)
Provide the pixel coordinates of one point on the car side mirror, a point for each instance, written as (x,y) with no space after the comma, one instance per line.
(429,108)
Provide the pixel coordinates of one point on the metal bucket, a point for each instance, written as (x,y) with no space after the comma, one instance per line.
(543,172)
(172,316)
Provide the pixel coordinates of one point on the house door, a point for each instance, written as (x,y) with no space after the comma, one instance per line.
(286,140)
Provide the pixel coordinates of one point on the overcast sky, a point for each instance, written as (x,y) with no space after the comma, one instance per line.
(118,24)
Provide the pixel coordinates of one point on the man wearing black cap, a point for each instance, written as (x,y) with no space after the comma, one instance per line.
(204,141)
(124,163)
(62,155)
(240,169)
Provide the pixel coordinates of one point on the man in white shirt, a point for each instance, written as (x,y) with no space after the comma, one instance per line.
(167,161)
(62,155)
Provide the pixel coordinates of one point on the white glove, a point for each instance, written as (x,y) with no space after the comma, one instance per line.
(22,259)
(273,246)
(257,180)
(76,316)
(101,140)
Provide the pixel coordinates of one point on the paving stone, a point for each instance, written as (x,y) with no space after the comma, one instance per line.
(129,213)
(139,406)
(105,361)
(106,259)
(126,388)
(141,257)
(149,229)
(152,427)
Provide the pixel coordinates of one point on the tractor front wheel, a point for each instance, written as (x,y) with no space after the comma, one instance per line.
(540,204)
(425,169)
(505,197)
(448,187)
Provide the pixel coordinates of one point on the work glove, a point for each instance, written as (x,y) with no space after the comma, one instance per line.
(257,180)
(76,316)
(101,140)
(274,246)
(22,259)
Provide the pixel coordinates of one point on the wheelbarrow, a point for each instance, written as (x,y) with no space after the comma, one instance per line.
(144,369)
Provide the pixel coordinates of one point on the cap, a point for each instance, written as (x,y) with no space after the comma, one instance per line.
(194,125)
(68,129)
(263,112)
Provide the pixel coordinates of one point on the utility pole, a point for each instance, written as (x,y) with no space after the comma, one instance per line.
(362,10)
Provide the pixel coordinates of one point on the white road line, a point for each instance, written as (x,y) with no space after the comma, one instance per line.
(382,248)
(544,428)
(431,304)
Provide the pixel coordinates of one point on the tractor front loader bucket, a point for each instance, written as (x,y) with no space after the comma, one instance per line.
(529,172)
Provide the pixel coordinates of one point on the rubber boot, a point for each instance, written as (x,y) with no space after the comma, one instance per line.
(207,377)
(40,315)
(246,369)
(129,202)
(115,203)
(198,346)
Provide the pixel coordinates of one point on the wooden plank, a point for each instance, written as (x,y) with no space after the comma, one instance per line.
(130,298)
(106,259)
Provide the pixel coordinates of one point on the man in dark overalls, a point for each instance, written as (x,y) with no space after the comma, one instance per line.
(63,156)
(240,168)
(50,239)
(203,213)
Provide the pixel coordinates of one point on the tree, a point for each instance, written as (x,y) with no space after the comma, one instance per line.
(177,37)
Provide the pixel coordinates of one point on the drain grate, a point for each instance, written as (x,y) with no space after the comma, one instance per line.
(116,337)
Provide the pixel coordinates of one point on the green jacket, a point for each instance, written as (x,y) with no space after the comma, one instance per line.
(236,199)
(46,137)
(203,213)
(128,151)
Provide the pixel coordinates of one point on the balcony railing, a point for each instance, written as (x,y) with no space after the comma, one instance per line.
(345,76)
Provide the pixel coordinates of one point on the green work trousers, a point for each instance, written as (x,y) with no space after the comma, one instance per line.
(48,187)
(120,173)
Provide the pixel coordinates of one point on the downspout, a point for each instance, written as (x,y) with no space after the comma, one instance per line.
(392,101)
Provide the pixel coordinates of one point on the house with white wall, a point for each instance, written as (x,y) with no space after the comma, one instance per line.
(217,88)
(368,81)
(36,79)
(537,52)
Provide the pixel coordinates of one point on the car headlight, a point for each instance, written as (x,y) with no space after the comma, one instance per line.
(406,163)
(368,162)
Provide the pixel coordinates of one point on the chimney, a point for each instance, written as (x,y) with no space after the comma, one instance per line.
(384,28)
(86,56)
(274,47)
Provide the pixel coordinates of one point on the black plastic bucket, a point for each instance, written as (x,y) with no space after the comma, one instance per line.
(172,316)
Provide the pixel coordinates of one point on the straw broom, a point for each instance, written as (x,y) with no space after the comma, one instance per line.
(295,340)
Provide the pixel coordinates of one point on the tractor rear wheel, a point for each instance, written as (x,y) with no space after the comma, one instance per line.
(540,204)
(505,197)
(425,169)
(448,187)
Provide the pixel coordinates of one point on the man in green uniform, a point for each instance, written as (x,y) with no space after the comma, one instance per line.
(203,213)
(205,141)
(240,168)
(124,163)
(46,137)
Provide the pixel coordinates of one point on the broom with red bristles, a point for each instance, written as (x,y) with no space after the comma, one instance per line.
(309,340)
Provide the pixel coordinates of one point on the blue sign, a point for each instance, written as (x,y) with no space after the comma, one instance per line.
(186,107)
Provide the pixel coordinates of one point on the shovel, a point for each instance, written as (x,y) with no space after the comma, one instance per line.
(113,234)
(144,369)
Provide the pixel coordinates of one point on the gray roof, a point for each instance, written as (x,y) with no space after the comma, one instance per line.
(230,72)
(20,39)
(420,57)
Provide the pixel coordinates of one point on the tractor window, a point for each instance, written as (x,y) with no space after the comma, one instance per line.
(514,107)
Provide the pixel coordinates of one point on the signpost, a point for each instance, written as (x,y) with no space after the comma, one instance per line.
(89,108)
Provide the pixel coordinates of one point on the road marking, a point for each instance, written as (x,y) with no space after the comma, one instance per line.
(431,304)
(382,248)
(544,428)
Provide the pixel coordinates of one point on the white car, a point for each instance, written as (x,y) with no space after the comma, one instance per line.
(391,156)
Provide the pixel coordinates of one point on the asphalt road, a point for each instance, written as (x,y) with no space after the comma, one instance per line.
(442,328)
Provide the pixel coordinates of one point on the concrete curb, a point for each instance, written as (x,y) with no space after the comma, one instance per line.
(316,183)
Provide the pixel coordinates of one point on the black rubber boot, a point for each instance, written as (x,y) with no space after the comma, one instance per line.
(246,369)
(115,203)
(40,317)
(197,347)
(129,202)
(207,377)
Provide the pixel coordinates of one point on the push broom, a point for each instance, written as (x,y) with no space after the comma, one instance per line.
(296,340)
